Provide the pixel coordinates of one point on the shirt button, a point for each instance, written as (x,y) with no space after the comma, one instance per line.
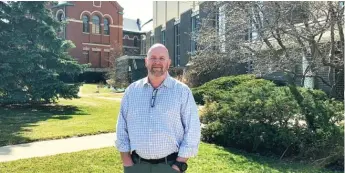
(151,116)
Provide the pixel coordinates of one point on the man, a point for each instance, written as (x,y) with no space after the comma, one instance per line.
(158,126)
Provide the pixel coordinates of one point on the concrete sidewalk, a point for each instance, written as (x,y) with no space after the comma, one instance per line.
(52,147)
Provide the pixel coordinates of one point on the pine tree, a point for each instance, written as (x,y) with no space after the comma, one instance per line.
(32,55)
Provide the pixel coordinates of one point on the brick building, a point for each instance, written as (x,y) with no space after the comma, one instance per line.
(132,36)
(94,27)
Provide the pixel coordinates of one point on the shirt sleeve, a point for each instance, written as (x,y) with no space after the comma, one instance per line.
(122,138)
(192,127)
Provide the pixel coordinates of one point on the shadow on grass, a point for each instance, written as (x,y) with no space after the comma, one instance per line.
(15,120)
(268,163)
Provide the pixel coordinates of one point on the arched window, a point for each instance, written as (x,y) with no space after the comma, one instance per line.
(106,27)
(136,43)
(95,25)
(86,24)
(60,16)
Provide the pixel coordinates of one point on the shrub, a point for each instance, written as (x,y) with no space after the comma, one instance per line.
(257,116)
(217,87)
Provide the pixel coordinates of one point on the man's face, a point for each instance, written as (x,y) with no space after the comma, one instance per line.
(157,61)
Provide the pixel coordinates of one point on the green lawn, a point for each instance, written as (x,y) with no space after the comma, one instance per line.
(77,117)
(91,90)
(211,159)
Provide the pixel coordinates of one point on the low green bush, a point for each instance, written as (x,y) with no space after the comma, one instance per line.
(257,116)
(217,87)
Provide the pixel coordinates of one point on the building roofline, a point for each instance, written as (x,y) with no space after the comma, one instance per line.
(63,4)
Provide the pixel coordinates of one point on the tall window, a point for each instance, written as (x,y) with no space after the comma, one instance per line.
(95,25)
(136,42)
(143,44)
(60,17)
(107,56)
(248,32)
(98,55)
(106,27)
(152,37)
(87,56)
(163,37)
(86,24)
(177,44)
(195,29)
(221,27)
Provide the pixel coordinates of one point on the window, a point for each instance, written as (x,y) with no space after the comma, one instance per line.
(143,44)
(107,55)
(152,37)
(163,37)
(177,44)
(136,42)
(106,27)
(87,56)
(86,24)
(248,32)
(98,55)
(95,25)
(60,17)
(222,27)
(195,29)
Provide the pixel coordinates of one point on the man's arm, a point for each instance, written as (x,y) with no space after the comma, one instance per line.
(192,130)
(122,138)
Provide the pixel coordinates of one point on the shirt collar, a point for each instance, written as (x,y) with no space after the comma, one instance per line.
(168,81)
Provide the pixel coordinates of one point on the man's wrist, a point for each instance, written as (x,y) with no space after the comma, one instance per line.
(181,159)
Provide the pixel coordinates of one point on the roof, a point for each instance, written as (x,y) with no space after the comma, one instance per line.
(63,3)
(131,25)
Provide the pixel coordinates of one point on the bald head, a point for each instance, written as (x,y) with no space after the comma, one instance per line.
(158,48)
(157,61)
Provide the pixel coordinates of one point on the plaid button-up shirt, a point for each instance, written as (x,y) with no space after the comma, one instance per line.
(171,125)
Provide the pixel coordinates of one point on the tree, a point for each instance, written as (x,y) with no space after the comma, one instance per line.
(118,75)
(32,55)
(275,36)
(115,53)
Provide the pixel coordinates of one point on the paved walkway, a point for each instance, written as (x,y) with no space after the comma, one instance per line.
(52,147)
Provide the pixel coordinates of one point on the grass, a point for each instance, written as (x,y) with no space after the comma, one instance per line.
(90,90)
(77,117)
(210,159)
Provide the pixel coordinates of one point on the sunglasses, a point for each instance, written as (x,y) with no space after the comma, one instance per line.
(153,99)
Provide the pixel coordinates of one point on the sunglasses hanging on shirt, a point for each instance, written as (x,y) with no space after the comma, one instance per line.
(153,99)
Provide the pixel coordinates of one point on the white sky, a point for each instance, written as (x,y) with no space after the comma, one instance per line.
(134,9)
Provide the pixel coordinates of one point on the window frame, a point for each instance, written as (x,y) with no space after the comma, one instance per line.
(86,26)
(106,28)
(96,27)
